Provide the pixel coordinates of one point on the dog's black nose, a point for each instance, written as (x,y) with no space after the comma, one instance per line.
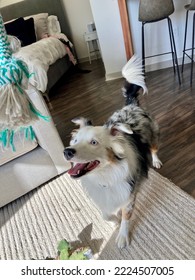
(69,153)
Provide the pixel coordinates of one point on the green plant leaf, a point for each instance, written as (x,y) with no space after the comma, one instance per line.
(64,255)
(63,245)
(79,254)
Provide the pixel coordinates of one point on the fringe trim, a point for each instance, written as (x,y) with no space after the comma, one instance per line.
(7,136)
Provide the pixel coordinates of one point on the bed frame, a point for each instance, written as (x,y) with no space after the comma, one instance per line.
(30,7)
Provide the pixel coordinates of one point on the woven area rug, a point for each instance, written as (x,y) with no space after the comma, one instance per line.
(163,224)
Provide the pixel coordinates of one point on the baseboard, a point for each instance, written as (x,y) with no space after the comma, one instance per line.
(86,59)
(164,64)
(113,76)
(149,68)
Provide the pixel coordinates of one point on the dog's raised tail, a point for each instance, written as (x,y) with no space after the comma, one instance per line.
(135,79)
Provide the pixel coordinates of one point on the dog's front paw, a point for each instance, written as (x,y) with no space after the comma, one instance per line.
(122,239)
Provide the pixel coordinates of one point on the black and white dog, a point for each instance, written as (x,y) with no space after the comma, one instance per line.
(112,160)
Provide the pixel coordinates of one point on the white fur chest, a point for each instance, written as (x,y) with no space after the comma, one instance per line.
(108,188)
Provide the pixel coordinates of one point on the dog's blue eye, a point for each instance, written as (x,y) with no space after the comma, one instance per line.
(93,142)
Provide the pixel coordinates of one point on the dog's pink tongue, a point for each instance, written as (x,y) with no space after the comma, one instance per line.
(76,169)
(92,165)
(82,168)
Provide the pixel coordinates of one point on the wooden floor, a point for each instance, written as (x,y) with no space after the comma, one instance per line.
(173,106)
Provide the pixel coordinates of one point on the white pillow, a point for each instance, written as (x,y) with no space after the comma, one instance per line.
(15,43)
(40,23)
(53,25)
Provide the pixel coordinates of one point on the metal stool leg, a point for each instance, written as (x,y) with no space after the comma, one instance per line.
(185,36)
(171,43)
(192,55)
(174,48)
(143,48)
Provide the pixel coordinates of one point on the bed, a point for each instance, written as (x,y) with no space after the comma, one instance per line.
(46,56)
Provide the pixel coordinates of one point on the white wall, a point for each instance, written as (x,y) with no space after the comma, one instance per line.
(108,25)
(157,36)
(78,13)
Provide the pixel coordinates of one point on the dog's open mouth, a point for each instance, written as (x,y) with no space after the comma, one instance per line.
(80,169)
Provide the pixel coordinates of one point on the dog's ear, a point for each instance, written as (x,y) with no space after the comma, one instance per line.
(117,128)
(118,151)
(73,135)
(117,147)
(81,121)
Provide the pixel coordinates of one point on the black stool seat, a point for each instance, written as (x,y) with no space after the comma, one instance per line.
(153,11)
(189,7)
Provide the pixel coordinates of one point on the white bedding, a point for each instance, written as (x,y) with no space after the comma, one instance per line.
(39,56)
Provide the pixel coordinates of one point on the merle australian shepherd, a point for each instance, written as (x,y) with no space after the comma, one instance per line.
(111,160)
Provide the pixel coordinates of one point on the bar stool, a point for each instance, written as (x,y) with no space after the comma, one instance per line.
(153,11)
(189,7)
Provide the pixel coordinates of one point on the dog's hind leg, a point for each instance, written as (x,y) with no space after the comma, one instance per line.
(155,160)
(154,143)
